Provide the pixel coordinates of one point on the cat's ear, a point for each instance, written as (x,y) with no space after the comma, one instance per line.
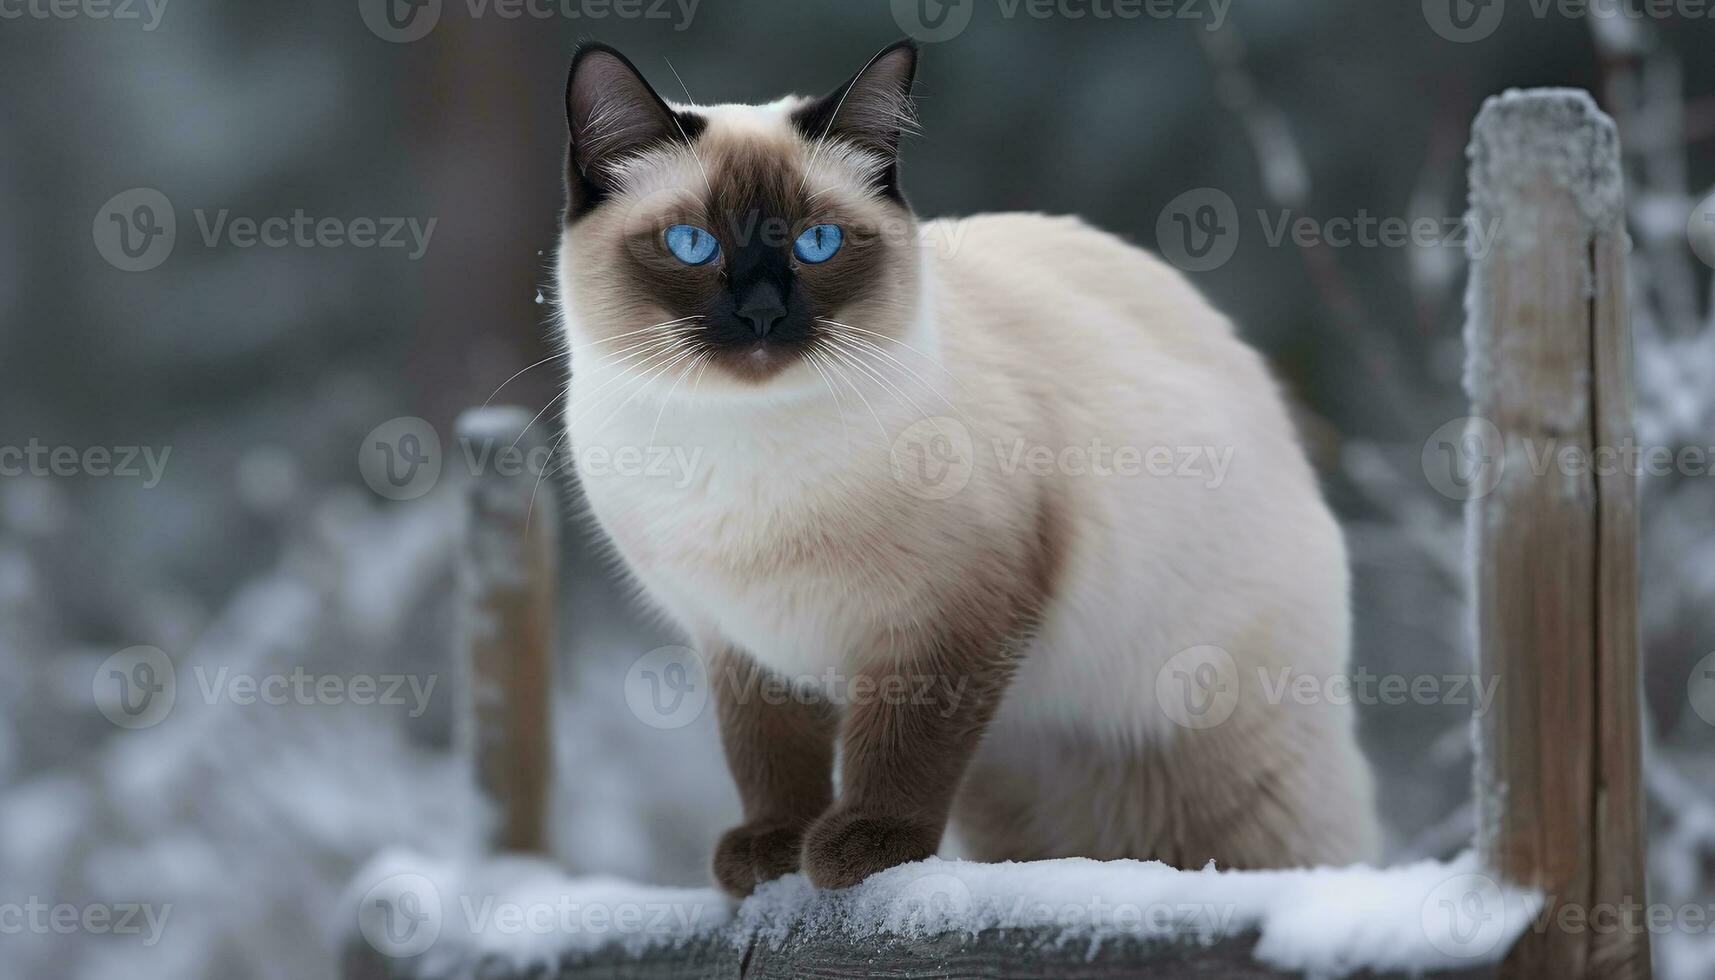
(611,113)
(870,110)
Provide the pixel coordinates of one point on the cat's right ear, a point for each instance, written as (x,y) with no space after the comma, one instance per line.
(611,114)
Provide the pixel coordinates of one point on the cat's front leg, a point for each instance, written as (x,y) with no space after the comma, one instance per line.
(779,747)
(908,737)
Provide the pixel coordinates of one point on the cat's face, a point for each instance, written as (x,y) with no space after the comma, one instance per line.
(755,244)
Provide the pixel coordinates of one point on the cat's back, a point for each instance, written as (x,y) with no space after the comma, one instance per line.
(1109,328)
(1025,269)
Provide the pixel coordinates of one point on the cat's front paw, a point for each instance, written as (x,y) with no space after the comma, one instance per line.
(846,846)
(753,853)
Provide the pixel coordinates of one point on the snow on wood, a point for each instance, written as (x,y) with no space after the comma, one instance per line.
(418,917)
(1521,141)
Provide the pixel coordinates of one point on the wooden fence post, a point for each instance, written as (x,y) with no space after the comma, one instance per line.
(1554,541)
(508,582)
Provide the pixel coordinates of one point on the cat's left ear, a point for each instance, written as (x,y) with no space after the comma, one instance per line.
(870,110)
(612,114)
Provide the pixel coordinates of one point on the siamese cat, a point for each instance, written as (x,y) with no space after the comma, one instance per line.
(995,523)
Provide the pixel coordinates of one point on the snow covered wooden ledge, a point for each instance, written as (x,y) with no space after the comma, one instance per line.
(1555,888)
(519,918)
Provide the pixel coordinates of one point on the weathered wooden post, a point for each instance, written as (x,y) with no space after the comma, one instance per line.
(507,585)
(1555,540)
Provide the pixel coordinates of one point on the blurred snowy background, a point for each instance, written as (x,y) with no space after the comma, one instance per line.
(257,371)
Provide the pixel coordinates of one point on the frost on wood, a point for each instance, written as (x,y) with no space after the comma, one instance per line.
(1520,141)
(1521,135)
(1328,922)
(493,424)
(492,440)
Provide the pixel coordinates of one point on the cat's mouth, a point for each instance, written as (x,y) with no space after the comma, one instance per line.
(757,359)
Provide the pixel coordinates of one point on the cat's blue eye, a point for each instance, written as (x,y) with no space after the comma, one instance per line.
(818,244)
(691,245)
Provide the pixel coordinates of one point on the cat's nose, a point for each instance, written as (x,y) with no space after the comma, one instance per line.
(763,310)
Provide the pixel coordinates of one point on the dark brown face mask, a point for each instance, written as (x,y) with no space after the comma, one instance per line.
(754,298)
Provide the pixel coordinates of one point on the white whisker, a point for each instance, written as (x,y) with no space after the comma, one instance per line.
(639,389)
(894,340)
(546,468)
(885,441)
(668,398)
(872,347)
(814,359)
(537,417)
(886,385)
(578,411)
(515,377)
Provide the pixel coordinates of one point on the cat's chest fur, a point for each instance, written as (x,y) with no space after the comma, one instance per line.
(752,534)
